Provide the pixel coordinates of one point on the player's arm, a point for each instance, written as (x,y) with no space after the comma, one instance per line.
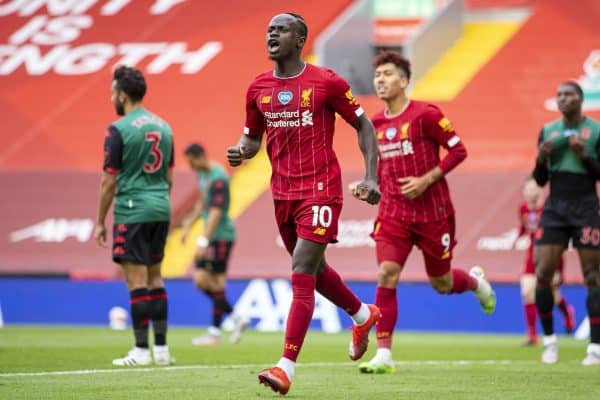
(342,100)
(113,150)
(171,166)
(440,129)
(249,144)
(540,172)
(219,197)
(592,165)
(189,220)
(367,141)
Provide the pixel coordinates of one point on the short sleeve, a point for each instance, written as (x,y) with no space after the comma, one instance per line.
(540,137)
(254,126)
(440,128)
(219,194)
(113,150)
(341,99)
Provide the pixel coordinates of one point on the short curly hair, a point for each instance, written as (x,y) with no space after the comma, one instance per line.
(394,57)
(131,81)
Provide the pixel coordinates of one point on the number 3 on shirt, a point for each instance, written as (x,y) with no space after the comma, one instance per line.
(322,215)
(154,138)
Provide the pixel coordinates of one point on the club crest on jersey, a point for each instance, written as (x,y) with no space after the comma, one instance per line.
(306,98)
(285,97)
(390,133)
(404,131)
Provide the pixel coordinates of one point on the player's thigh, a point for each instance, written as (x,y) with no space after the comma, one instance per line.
(221,252)
(393,242)
(546,258)
(590,265)
(203,279)
(528,282)
(437,240)
(317,219)
(286,224)
(136,275)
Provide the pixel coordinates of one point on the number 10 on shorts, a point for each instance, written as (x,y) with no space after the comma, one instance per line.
(322,215)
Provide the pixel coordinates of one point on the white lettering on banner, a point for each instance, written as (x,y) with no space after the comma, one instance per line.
(29,56)
(162,6)
(505,241)
(92,57)
(113,7)
(85,59)
(64,23)
(56,230)
(256,302)
(191,62)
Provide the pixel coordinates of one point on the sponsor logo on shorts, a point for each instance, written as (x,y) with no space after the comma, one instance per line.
(446,255)
(320,231)
(285,97)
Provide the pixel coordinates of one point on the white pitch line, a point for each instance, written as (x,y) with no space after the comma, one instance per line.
(244,366)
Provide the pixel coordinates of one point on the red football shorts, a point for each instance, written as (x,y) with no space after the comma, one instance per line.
(395,239)
(310,219)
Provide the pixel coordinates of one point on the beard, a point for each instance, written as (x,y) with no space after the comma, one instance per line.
(119,108)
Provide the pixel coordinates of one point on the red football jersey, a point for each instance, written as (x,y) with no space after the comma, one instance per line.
(409,145)
(298,115)
(529,219)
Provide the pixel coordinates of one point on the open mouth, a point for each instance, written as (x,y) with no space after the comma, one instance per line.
(381,90)
(272,45)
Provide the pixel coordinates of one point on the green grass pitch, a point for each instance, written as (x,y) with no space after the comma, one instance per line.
(430,366)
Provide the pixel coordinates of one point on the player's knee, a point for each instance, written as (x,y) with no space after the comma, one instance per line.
(388,274)
(156,282)
(442,285)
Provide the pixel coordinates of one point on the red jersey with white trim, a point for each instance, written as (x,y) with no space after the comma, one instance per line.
(529,219)
(298,116)
(409,145)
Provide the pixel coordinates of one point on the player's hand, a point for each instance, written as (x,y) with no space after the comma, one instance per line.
(100,235)
(577,143)
(235,155)
(352,187)
(367,190)
(544,151)
(414,186)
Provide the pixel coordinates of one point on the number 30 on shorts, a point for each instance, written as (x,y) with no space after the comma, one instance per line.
(322,215)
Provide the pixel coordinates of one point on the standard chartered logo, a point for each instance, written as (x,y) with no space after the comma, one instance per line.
(288,119)
(307,118)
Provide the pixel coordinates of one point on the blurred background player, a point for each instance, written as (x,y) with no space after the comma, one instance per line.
(568,158)
(530,211)
(215,245)
(298,100)
(415,208)
(138,156)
